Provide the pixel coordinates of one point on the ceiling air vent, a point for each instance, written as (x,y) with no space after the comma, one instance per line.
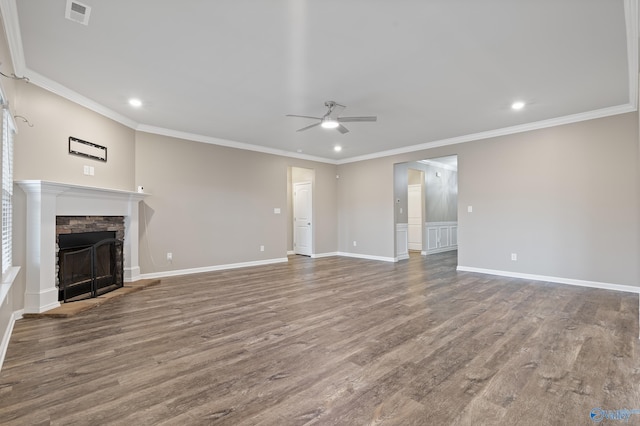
(77,12)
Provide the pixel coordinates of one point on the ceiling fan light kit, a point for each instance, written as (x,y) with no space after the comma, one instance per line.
(331,119)
(329,123)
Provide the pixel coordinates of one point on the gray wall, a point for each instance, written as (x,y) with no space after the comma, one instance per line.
(566,199)
(213,205)
(441,193)
(366,207)
(400,192)
(41,152)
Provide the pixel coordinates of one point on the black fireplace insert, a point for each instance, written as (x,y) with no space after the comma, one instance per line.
(89,265)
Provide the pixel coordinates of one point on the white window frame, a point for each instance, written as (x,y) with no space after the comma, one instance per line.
(8,133)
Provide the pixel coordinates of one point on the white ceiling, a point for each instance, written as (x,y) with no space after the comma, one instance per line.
(433,71)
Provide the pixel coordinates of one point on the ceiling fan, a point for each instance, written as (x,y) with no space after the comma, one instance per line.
(331,119)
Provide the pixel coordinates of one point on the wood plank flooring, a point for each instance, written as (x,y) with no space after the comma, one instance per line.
(331,341)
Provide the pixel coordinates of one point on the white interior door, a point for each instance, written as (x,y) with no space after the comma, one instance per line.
(414,213)
(302,223)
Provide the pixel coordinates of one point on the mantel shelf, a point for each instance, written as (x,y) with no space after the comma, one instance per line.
(78,190)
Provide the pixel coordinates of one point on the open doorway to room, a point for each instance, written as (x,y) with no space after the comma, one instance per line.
(301,211)
(415,209)
(426,203)
(441,205)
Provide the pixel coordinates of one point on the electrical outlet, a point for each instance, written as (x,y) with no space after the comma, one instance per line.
(169,256)
(261,248)
(514,256)
(355,244)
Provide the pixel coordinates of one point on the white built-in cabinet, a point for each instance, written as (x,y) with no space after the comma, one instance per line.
(441,236)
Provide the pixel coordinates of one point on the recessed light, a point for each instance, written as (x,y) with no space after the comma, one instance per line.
(337,148)
(135,102)
(517,105)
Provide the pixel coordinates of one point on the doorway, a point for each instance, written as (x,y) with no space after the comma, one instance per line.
(426,206)
(302,218)
(302,210)
(415,209)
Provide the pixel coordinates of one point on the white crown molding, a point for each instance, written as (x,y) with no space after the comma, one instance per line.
(631,20)
(436,163)
(9,10)
(558,280)
(574,118)
(63,91)
(228,143)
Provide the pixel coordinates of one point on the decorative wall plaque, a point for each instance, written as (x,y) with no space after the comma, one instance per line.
(87,149)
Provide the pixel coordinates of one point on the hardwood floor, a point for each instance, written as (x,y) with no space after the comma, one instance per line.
(332,341)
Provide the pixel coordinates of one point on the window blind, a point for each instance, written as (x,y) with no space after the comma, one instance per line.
(8,131)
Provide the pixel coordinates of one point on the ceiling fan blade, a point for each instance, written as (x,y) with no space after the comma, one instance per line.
(342,129)
(354,119)
(308,127)
(303,116)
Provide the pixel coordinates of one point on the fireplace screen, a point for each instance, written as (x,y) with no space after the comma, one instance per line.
(90,264)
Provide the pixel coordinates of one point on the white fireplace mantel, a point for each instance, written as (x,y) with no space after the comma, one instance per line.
(45,201)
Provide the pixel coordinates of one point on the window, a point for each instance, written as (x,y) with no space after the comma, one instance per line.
(8,130)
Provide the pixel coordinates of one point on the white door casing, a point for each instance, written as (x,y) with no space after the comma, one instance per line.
(302,218)
(414,212)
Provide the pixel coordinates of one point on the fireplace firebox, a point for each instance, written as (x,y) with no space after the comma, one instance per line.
(90,256)
(89,264)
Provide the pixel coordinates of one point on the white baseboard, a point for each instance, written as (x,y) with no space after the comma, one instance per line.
(315,256)
(559,280)
(319,255)
(4,344)
(367,257)
(212,268)
(131,274)
(439,250)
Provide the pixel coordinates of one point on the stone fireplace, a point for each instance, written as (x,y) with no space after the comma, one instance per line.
(46,201)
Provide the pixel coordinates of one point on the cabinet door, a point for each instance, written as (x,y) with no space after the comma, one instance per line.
(443,234)
(454,235)
(432,238)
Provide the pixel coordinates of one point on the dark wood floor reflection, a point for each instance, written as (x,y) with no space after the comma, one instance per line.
(332,341)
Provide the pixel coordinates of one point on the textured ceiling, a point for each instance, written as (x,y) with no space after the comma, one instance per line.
(228,71)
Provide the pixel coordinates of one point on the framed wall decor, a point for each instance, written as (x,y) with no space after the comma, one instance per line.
(87,149)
